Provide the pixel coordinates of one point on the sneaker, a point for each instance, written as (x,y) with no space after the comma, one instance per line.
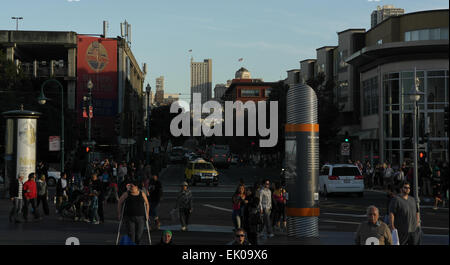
(435,208)
(271,235)
(96,223)
(183,228)
(87,220)
(76,219)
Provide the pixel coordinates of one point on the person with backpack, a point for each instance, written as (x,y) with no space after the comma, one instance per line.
(184,204)
(133,210)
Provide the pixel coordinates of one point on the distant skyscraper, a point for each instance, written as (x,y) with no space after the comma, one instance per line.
(201,79)
(159,95)
(383,13)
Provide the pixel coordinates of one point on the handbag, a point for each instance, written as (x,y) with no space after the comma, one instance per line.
(395,239)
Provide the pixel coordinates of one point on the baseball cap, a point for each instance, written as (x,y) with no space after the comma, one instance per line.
(184,183)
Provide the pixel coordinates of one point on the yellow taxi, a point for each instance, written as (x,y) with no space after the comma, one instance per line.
(201,171)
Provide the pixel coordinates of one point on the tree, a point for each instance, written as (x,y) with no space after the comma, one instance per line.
(328,112)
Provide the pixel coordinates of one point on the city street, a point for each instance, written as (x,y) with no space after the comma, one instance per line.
(211,220)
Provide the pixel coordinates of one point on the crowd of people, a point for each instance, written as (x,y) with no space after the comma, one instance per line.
(259,210)
(432,178)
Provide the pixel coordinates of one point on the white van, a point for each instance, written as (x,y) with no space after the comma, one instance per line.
(345,178)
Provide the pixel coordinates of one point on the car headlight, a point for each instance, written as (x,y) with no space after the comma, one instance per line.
(215,174)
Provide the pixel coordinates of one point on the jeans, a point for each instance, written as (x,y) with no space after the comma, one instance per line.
(184,216)
(93,214)
(237,218)
(135,227)
(267,221)
(44,201)
(26,202)
(16,209)
(154,207)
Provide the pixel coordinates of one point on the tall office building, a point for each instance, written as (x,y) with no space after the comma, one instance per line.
(201,79)
(382,13)
(159,95)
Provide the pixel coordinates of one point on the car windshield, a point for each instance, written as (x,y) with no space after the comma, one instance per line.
(203,166)
(345,171)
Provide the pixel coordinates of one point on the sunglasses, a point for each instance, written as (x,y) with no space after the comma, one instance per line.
(240,235)
(408,188)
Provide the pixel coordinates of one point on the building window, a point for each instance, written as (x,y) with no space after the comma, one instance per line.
(427,34)
(249,93)
(342,91)
(370,96)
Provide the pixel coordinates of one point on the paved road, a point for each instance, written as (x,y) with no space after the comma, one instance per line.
(211,221)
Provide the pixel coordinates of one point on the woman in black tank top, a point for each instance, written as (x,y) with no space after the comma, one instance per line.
(135,207)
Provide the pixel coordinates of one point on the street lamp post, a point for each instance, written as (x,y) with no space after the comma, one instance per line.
(17,21)
(42,100)
(90,85)
(415,97)
(147,143)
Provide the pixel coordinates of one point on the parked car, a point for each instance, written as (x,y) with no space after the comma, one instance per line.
(53,177)
(341,178)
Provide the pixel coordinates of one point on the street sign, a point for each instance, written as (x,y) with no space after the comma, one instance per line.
(54,143)
(345,149)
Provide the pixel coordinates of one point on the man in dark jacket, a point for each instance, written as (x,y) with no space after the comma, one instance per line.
(61,190)
(155,190)
(15,194)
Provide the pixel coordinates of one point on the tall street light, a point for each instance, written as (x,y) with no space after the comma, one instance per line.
(90,85)
(42,100)
(17,21)
(415,97)
(148,90)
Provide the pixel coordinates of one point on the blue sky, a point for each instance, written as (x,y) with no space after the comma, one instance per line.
(271,36)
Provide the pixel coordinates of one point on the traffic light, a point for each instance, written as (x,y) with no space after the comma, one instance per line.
(88,149)
(346,138)
(422,155)
(146,139)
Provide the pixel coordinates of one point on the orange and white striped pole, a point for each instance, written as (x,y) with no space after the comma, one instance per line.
(302,162)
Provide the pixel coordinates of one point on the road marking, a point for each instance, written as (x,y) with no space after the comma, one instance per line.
(355,223)
(344,214)
(217,208)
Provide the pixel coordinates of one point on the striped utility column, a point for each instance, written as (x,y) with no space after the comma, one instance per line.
(302,163)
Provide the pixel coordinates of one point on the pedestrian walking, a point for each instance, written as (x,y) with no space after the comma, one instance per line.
(42,196)
(93,208)
(369,175)
(61,190)
(133,210)
(184,204)
(16,197)
(156,191)
(373,231)
(30,197)
(404,216)
(97,185)
(279,196)
(265,202)
(238,204)
(252,216)
(425,176)
(388,176)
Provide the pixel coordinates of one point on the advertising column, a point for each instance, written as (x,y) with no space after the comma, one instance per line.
(26,147)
